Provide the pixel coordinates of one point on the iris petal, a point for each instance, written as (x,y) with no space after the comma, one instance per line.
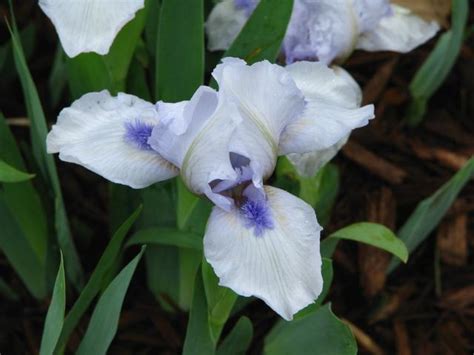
(270,251)
(89,25)
(401,32)
(108,135)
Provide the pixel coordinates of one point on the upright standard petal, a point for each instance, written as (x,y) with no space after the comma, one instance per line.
(89,25)
(197,141)
(108,135)
(268,100)
(224,24)
(268,248)
(402,32)
(332,111)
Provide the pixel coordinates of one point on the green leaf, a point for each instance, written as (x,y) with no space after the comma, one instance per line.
(238,340)
(20,253)
(104,321)
(328,273)
(24,225)
(431,210)
(91,72)
(186,205)
(320,190)
(55,316)
(198,338)
(166,236)
(376,235)
(45,162)
(95,283)
(121,53)
(88,72)
(10,174)
(220,301)
(58,76)
(263,33)
(319,333)
(436,68)
(180,50)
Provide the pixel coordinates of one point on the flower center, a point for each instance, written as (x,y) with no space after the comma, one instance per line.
(137,134)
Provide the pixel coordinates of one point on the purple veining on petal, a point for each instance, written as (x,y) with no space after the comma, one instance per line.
(247,5)
(137,134)
(257,215)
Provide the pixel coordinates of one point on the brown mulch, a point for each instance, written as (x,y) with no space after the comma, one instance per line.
(424,307)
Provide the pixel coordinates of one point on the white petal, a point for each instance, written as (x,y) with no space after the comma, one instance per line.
(323,30)
(224,24)
(198,141)
(332,111)
(331,85)
(268,101)
(282,266)
(89,25)
(93,133)
(370,12)
(308,164)
(401,32)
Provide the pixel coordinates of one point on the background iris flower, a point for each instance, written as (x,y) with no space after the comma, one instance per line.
(328,30)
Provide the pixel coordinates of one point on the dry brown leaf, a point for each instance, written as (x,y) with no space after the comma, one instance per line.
(437,10)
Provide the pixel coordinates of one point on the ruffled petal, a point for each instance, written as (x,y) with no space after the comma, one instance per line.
(197,141)
(308,164)
(401,32)
(89,25)
(370,12)
(108,135)
(322,30)
(268,249)
(332,111)
(224,24)
(268,100)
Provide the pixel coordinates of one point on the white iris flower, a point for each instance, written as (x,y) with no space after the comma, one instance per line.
(260,240)
(89,25)
(326,30)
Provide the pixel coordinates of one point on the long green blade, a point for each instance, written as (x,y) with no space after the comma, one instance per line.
(104,321)
(55,316)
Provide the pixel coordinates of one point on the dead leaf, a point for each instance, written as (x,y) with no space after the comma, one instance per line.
(437,10)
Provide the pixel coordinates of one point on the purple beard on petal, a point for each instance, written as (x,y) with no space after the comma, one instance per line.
(257,215)
(137,134)
(247,5)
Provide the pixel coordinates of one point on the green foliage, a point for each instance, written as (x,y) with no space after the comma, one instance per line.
(198,336)
(9,174)
(91,72)
(319,333)
(373,234)
(263,33)
(320,190)
(430,211)
(104,321)
(46,162)
(167,236)
(220,301)
(238,340)
(96,282)
(24,237)
(180,68)
(55,316)
(436,68)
